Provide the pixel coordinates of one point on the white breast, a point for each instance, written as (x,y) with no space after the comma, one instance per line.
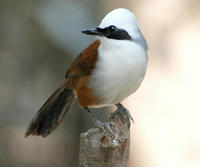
(119,70)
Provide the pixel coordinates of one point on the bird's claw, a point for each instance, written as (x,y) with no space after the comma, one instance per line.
(124,111)
(106,127)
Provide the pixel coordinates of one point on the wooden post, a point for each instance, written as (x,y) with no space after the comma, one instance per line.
(101,149)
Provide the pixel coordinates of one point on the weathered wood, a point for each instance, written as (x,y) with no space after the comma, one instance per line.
(101,149)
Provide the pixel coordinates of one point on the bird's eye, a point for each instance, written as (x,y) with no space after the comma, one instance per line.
(112,28)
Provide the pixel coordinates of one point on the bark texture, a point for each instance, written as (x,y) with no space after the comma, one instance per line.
(101,149)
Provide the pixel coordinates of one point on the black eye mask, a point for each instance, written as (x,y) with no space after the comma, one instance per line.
(114,33)
(111,32)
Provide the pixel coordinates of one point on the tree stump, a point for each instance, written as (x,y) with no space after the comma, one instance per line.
(101,149)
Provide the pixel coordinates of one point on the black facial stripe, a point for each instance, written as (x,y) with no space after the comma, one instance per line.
(120,35)
(115,33)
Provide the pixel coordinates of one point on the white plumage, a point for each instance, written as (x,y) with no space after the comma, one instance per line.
(121,64)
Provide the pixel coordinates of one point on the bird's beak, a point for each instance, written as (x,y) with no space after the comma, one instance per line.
(97,31)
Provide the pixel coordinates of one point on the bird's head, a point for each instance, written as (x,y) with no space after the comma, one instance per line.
(119,24)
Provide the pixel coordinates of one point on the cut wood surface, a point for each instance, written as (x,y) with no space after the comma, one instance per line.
(103,149)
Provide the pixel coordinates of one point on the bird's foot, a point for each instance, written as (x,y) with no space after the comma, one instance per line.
(106,127)
(121,109)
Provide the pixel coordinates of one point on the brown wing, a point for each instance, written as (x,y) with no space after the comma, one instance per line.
(78,75)
(83,64)
(77,79)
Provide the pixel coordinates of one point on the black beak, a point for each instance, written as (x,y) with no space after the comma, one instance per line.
(97,31)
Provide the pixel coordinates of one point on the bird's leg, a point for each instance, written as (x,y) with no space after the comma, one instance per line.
(104,126)
(124,111)
(90,113)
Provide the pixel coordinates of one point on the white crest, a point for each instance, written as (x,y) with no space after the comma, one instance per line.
(124,19)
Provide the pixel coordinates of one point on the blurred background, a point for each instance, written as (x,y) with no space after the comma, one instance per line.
(40,38)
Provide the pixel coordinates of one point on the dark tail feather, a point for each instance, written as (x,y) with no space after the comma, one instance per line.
(51,113)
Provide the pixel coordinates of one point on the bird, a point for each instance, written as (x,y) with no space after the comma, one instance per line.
(108,71)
